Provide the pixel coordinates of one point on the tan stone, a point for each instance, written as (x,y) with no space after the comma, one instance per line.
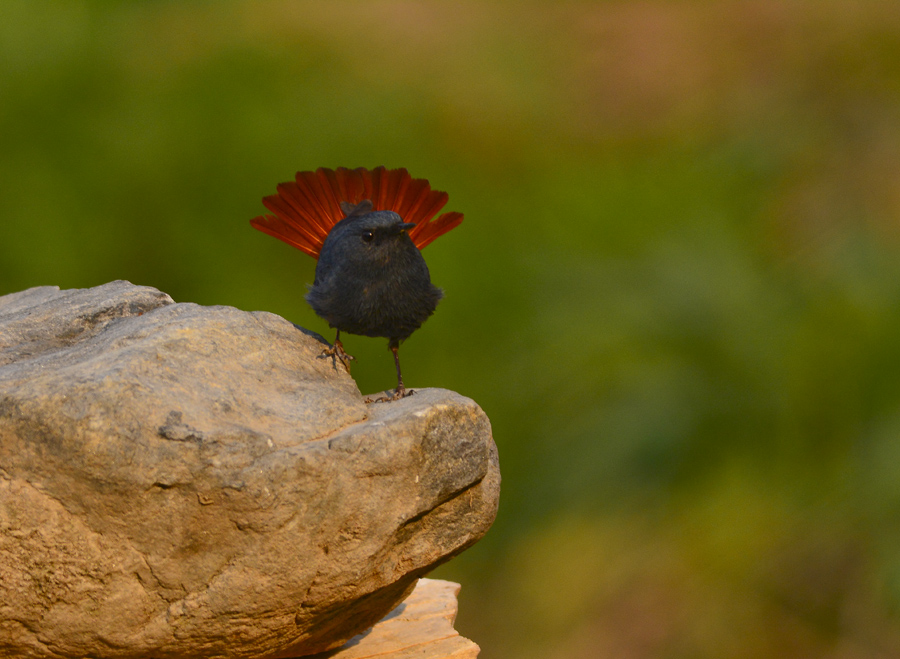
(187,481)
(421,627)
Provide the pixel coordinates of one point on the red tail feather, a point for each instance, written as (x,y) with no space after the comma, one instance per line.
(306,209)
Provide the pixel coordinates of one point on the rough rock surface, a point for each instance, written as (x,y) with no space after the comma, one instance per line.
(187,481)
(421,627)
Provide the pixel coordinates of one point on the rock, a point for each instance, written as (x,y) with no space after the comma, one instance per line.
(421,628)
(187,481)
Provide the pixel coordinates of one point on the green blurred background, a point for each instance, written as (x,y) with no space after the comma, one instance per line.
(676,292)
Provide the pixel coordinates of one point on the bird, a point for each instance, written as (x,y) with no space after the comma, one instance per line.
(366,228)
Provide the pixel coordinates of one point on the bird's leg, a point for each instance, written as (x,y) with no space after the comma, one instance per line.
(336,351)
(401,391)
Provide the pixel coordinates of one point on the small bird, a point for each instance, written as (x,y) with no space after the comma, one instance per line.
(366,229)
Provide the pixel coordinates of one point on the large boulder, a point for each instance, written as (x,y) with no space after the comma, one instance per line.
(188,481)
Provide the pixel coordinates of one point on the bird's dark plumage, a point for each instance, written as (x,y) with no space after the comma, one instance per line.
(366,228)
(372,280)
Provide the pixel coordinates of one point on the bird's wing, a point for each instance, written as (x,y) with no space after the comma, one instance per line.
(305,209)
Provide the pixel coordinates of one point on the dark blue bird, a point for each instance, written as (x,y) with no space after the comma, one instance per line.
(371,278)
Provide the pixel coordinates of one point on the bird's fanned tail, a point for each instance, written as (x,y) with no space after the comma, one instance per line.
(306,209)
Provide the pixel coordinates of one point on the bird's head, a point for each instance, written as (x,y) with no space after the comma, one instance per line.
(369,236)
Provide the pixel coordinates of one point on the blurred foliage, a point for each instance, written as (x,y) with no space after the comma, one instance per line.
(676,292)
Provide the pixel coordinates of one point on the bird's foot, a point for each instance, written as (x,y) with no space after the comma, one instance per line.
(336,352)
(399,392)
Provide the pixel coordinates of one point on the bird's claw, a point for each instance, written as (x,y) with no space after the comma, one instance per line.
(399,392)
(336,352)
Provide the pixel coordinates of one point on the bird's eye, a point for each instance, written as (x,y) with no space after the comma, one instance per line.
(367,236)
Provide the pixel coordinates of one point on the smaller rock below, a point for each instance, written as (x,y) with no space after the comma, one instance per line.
(421,626)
